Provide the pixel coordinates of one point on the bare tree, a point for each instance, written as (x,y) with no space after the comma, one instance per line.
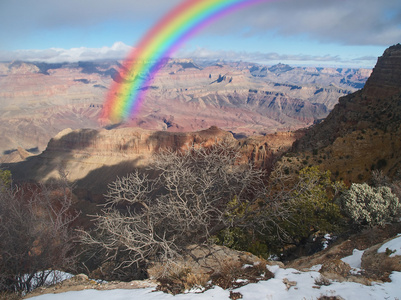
(35,234)
(193,196)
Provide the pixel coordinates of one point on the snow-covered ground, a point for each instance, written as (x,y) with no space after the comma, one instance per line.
(286,284)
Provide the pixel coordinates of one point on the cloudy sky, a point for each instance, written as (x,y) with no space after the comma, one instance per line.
(302,32)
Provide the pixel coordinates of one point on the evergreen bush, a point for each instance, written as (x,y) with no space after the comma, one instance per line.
(371,206)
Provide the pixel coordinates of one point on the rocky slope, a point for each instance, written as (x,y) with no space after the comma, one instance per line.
(331,264)
(362,133)
(38,100)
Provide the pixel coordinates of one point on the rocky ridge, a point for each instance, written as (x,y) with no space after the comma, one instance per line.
(362,132)
(93,158)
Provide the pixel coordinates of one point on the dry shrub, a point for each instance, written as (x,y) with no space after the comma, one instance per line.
(234,273)
(193,280)
(9,296)
(178,279)
(156,218)
(36,235)
(230,271)
(104,272)
(381,271)
(235,295)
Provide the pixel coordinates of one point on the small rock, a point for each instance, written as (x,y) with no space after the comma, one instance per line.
(335,267)
(288,283)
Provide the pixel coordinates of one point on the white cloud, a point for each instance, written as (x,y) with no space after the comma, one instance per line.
(119,51)
(56,55)
(272,58)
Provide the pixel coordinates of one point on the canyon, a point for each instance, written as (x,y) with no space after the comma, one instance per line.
(191,104)
(39,100)
(359,135)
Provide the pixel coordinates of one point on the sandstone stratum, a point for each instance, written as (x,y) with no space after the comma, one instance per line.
(38,100)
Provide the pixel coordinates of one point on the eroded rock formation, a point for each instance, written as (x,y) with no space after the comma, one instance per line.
(93,158)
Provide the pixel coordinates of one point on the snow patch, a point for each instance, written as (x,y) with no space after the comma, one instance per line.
(273,289)
(327,239)
(354,261)
(316,268)
(303,286)
(394,246)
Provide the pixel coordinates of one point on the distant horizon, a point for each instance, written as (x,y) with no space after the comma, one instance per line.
(119,52)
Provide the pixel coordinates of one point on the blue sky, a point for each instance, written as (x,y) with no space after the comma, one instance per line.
(301,32)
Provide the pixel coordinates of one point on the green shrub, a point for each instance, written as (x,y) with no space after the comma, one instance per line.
(312,207)
(367,205)
(294,210)
(5,178)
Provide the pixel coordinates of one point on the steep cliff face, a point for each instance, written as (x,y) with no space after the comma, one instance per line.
(128,142)
(385,81)
(362,133)
(93,158)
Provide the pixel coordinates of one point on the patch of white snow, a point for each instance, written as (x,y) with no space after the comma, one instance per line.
(316,268)
(394,245)
(327,240)
(354,261)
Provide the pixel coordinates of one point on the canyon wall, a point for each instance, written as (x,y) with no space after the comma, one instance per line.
(94,158)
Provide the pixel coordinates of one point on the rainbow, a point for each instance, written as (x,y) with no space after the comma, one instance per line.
(140,67)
